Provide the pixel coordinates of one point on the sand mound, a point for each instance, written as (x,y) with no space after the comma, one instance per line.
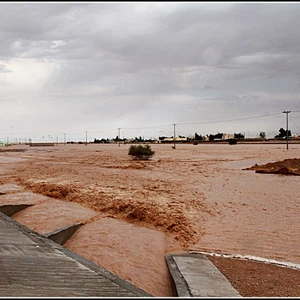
(286,167)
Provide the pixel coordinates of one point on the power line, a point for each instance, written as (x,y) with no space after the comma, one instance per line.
(232,120)
(149,127)
(208,122)
(165,125)
(104,130)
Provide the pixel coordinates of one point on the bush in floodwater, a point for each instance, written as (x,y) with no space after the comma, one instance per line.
(141,152)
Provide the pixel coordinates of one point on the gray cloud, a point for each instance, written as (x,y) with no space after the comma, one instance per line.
(149,62)
(3,69)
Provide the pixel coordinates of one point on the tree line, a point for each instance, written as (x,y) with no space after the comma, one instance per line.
(197,137)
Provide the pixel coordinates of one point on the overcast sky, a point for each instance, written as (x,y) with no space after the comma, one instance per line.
(99,66)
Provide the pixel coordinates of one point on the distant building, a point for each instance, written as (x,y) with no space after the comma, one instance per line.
(227,136)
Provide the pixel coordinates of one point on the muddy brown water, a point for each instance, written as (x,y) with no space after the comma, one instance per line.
(225,209)
(135,253)
(51,214)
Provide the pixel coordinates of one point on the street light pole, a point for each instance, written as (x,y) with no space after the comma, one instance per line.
(119,135)
(287,128)
(174,136)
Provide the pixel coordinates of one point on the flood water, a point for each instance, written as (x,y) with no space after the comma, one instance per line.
(191,198)
(134,253)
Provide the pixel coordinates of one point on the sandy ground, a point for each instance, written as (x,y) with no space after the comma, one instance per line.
(258,279)
(194,197)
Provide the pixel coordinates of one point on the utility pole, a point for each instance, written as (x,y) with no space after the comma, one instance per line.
(287,128)
(174,136)
(119,135)
(86,138)
(64,138)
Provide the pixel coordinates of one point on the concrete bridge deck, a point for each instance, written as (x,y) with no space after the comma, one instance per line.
(32,265)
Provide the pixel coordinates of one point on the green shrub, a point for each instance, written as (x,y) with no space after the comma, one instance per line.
(195,143)
(141,152)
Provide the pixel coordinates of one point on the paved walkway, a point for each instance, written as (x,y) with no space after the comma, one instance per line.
(32,265)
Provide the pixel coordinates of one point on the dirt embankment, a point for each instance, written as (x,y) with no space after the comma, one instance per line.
(286,167)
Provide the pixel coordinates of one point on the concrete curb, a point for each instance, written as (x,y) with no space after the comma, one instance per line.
(194,275)
(62,235)
(11,209)
(180,287)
